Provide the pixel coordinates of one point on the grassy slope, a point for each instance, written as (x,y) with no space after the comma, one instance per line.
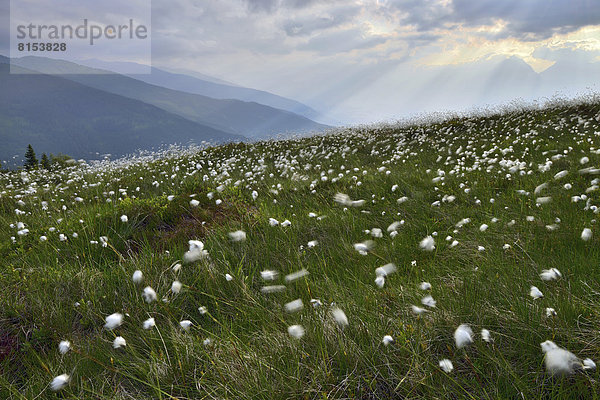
(251,354)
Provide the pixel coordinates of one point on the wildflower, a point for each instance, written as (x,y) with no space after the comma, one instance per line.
(418,310)
(446,365)
(364,247)
(149,294)
(316,303)
(427,244)
(559,361)
(535,293)
(137,277)
(483,227)
(387,339)
(206,342)
(254,195)
(59,382)
(269,275)
(119,342)
(202,310)
(312,243)
(340,317)
(286,223)
(386,270)
(113,321)
(273,222)
(586,234)
(237,236)
(196,251)
(149,323)
(194,203)
(296,275)
(463,336)
(176,287)
(295,305)
(272,289)
(376,233)
(550,312)
(428,301)
(539,188)
(185,324)
(296,331)
(425,286)
(486,336)
(561,174)
(550,274)
(64,346)
(228,277)
(589,364)
(124,218)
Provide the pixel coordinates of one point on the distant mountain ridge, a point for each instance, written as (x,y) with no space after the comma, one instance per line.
(248,119)
(203,85)
(57,115)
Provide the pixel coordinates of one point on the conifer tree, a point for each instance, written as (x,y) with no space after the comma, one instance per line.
(30,159)
(45,161)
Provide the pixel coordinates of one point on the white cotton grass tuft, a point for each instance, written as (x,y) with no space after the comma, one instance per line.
(149,294)
(237,236)
(339,317)
(119,342)
(64,346)
(176,287)
(386,270)
(559,361)
(535,293)
(550,274)
(294,305)
(417,310)
(550,312)
(149,323)
(196,251)
(296,331)
(273,289)
(463,336)
(589,364)
(387,339)
(364,247)
(446,365)
(586,234)
(539,188)
(428,301)
(137,277)
(486,336)
(296,275)
(185,324)
(269,275)
(113,321)
(560,175)
(60,382)
(427,244)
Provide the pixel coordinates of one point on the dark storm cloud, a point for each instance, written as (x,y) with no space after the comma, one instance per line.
(526,19)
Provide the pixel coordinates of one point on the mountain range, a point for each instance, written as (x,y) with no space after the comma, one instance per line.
(83,111)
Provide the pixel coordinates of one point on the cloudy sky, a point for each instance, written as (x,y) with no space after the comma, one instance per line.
(365,60)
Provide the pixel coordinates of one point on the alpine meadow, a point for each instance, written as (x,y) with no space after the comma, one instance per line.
(453,257)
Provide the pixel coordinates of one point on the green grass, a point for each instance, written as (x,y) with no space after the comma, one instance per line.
(55,290)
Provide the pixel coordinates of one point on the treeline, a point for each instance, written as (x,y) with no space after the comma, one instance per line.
(48,163)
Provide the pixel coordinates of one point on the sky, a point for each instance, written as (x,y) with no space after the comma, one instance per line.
(368,60)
